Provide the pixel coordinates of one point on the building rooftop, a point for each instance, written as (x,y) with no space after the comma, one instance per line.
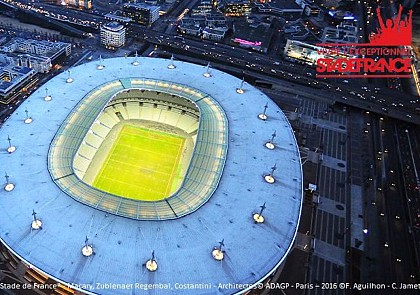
(119,18)
(236,2)
(182,246)
(114,26)
(260,34)
(216,30)
(11,75)
(142,6)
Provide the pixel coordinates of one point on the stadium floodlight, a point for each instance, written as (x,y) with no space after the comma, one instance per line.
(9,186)
(87,249)
(28,119)
(100,65)
(218,253)
(151,264)
(47,96)
(270,144)
(207,73)
(240,90)
(10,148)
(263,115)
(135,62)
(171,65)
(270,177)
(69,78)
(36,223)
(258,217)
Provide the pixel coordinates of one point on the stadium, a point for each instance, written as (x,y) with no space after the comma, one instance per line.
(140,175)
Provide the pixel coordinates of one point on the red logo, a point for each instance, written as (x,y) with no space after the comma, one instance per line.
(394,32)
(387,55)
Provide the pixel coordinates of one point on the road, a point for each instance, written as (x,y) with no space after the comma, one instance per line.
(392,248)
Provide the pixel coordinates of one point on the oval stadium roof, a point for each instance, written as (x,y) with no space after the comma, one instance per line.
(182,247)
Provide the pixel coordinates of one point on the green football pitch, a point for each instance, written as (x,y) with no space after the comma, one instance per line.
(142,164)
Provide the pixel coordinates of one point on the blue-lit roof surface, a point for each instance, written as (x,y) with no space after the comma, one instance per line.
(182,246)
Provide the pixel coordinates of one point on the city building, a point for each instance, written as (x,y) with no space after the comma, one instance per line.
(81,4)
(140,13)
(40,64)
(253,36)
(311,10)
(303,3)
(112,35)
(14,79)
(212,27)
(117,18)
(235,7)
(336,17)
(234,212)
(306,53)
(215,33)
(277,8)
(203,8)
(40,55)
(149,2)
(192,25)
(53,50)
(343,33)
(302,52)
(215,20)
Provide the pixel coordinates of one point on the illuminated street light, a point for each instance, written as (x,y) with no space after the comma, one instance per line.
(240,90)
(87,249)
(9,186)
(36,223)
(151,264)
(100,65)
(258,217)
(28,119)
(270,144)
(47,96)
(218,253)
(171,65)
(270,177)
(69,78)
(207,73)
(135,62)
(263,116)
(10,148)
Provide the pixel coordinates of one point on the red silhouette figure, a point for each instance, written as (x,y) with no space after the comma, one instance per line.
(394,32)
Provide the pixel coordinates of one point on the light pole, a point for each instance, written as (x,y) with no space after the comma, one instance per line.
(258,217)
(218,253)
(36,223)
(10,148)
(263,115)
(270,177)
(28,119)
(240,90)
(151,264)
(207,73)
(270,144)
